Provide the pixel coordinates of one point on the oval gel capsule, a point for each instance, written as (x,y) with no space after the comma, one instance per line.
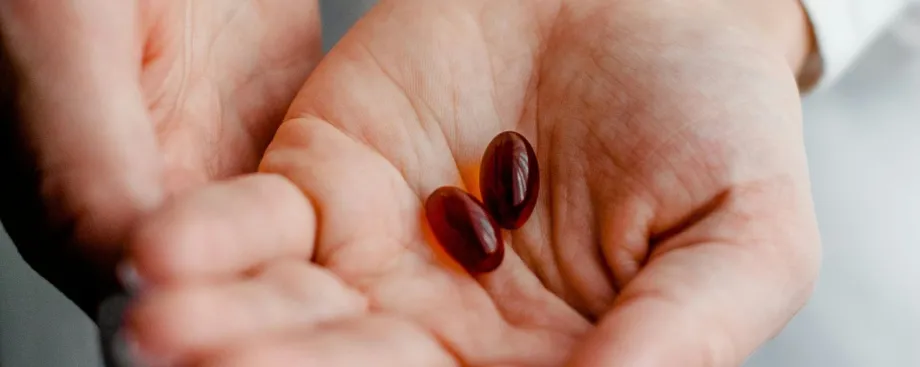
(465,229)
(509,179)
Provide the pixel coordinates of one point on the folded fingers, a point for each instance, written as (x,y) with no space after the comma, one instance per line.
(177,323)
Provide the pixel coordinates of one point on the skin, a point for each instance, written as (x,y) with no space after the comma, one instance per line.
(674,227)
(111,107)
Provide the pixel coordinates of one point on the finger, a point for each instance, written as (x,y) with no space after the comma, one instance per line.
(84,113)
(369,341)
(224,229)
(175,323)
(702,301)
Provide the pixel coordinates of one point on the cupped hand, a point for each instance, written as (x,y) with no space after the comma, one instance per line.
(674,226)
(111,106)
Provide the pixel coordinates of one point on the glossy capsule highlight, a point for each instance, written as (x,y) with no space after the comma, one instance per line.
(465,229)
(509,179)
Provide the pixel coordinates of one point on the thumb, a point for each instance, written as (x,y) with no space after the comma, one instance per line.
(81,150)
(705,302)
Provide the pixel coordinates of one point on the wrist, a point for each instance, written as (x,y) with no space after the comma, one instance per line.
(784,26)
(780,27)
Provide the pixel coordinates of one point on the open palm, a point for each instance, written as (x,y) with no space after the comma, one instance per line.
(674,225)
(136,101)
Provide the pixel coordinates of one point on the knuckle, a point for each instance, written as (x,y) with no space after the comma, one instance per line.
(164,247)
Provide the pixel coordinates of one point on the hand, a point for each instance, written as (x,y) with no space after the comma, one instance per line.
(123,103)
(675,226)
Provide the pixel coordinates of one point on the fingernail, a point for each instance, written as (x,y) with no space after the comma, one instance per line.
(122,351)
(129,278)
(110,317)
(127,352)
(119,347)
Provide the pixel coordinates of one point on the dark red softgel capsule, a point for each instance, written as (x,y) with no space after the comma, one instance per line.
(465,229)
(509,179)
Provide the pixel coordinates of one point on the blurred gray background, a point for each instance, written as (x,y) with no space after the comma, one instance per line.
(863,140)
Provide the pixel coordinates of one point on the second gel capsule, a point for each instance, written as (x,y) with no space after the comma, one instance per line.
(509,179)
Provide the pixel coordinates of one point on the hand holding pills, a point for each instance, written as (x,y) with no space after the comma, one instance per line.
(667,223)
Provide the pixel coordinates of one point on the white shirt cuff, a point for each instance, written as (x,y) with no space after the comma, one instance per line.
(843,29)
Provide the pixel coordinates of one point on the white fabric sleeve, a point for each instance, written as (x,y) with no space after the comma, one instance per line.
(843,29)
